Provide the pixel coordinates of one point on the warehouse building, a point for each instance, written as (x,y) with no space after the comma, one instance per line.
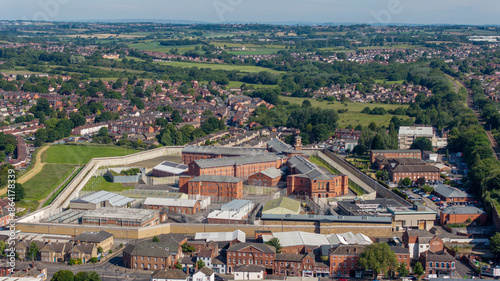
(282,206)
(451,194)
(236,211)
(100,199)
(180,206)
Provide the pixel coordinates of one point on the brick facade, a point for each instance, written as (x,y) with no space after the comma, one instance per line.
(222,190)
(303,185)
(395,154)
(250,253)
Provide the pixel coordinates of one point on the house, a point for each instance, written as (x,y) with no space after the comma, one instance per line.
(438,264)
(250,253)
(101,239)
(55,252)
(420,241)
(462,214)
(249,272)
(83,251)
(172,274)
(283,205)
(402,255)
(294,264)
(343,260)
(203,274)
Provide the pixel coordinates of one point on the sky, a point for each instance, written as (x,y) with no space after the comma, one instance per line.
(468,12)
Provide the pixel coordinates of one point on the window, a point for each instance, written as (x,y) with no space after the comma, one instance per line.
(430,264)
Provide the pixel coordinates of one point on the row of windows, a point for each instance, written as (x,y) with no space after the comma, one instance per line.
(250,261)
(149,266)
(442,265)
(244,255)
(149,258)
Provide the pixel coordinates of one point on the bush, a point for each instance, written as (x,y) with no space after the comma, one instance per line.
(93,260)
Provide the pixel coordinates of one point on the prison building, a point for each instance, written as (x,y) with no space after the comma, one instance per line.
(191,153)
(121,217)
(409,153)
(100,199)
(227,187)
(180,206)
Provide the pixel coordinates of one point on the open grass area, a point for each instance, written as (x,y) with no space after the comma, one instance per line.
(213,66)
(354,115)
(81,154)
(389,82)
(55,194)
(103,183)
(51,175)
(156,47)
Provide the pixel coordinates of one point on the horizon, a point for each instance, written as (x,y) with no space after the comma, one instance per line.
(390,12)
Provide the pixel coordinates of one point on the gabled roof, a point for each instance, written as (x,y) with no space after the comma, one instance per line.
(259,246)
(272,173)
(101,196)
(283,202)
(172,273)
(210,178)
(450,192)
(242,160)
(249,268)
(347,250)
(205,270)
(277,145)
(93,237)
(462,210)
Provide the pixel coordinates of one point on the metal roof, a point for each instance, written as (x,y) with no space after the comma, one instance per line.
(450,192)
(462,210)
(283,202)
(170,202)
(221,236)
(171,167)
(124,213)
(101,196)
(235,205)
(272,172)
(298,238)
(278,146)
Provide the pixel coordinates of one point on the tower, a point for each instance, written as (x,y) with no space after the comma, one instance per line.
(298,142)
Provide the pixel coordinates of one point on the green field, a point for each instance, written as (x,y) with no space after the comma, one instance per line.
(354,115)
(55,194)
(51,175)
(156,47)
(237,84)
(389,82)
(242,68)
(103,183)
(80,155)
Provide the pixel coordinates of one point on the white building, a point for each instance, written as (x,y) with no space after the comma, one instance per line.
(407,135)
(221,236)
(204,274)
(249,272)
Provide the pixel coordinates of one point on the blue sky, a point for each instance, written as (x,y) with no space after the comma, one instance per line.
(216,11)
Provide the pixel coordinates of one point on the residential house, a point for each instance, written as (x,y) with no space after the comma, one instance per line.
(172,274)
(249,272)
(250,253)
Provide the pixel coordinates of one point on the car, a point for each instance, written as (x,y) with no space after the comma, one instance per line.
(416,190)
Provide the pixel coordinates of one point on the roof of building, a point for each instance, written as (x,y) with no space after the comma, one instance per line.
(171,167)
(235,205)
(289,257)
(206,270)
(209,178)
(168,246)
(305,168)
(236,151)
(299,238)
(416,168)
(171,202)
(283,202)
(399,250)
(241,160)
(441,256)
(93,237)
(171,273)
(272,173)
(101,196)
(450,192)
(124,213)
(267,249)
(416,131)
(347,250)
(278,146)
(419,233)
(323,218)
(249,268)
(396,151)
(221,236)
(462,210)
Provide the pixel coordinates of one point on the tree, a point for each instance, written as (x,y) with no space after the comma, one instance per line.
(87,276)
(100,250)
(418,269)
(19,192)
(178,265)
(422,143)
(155,239)
(33,251)
(93,260)
(200,264)
(103,132)
(406,182)
(495,244)
(379,258)
(176,117)
(2,248)
(63,275)
(427,188)
(187,248)
(275,242)
(403,269)
(306,103)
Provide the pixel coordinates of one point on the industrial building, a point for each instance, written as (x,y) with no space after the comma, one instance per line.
(236,211)
(100,199)
(121,217)
(282,206)
(180,206)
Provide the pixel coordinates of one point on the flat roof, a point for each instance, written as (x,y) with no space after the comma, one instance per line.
(235,205)
(170,202)
(124,213)
(171,167)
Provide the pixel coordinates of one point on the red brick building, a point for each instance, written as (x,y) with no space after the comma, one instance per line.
(402,255)
(250,253)
(241,167)
(308,179)
(299,265)
(414,172)
(451,194)
(343,260)
(223,187)
(191,153)
(462,214)
(269,177)
(410,153)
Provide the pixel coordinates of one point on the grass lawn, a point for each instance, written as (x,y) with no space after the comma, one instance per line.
(389,82)
(55,194)
(80,155)
(213,66)
(103,183)
(51,175)
(354,115)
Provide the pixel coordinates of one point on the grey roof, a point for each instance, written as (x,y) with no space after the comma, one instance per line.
(306,168)
(123,213)
(208,178)
(450,192)
(171,167)
(349,250)
(419,233)
(363,219)
(259,246)
(172,273)
(101,196)
(235,205)
(93,237)
(462,210)
(242,160)
(441,256)
(249,268)
(417,168)
(272,172)
(167,246)
(289,257)
(236,151)
(399,250)
(207,271)
(278,146)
